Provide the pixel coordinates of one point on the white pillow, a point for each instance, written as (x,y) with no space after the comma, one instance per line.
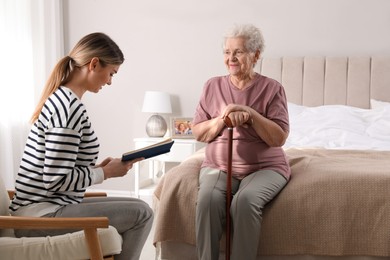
(378,104)
(339,127)
(294,109)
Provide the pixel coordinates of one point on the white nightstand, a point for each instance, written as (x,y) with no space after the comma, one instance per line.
(181,149)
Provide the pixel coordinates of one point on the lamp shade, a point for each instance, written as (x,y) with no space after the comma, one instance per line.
(157,102)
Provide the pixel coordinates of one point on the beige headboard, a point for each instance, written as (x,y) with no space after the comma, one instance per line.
(314,81)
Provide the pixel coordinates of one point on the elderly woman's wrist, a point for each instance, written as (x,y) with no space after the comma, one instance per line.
(250,120)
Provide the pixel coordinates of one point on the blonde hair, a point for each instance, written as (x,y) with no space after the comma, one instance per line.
(92,45)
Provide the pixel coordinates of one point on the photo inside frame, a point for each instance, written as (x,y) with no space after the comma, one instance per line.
(182,128)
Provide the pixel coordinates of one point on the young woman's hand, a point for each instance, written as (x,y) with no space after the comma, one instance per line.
(115,167)
(104,162)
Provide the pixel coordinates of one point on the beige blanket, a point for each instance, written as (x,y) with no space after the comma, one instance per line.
(336,203)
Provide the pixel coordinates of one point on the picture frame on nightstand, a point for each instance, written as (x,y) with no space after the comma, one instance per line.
(181,127)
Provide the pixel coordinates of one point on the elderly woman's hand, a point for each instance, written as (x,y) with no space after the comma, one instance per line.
(239,118)
(239,115)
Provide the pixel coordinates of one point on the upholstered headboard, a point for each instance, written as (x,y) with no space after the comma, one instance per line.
(314,81)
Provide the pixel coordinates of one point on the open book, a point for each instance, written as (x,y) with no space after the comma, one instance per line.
(149,151)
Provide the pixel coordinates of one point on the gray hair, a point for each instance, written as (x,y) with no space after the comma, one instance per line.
(252,35)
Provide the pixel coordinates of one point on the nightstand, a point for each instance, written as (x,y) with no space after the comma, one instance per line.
(181,149)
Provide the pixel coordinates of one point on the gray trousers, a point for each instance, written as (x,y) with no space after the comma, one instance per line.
(132,218)
(250,195)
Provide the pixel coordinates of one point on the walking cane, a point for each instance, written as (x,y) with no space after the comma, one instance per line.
(229,125)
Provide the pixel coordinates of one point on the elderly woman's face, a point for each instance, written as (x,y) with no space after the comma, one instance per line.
(238,60)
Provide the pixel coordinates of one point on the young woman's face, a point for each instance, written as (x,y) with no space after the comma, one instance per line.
(238,60)
(101,76)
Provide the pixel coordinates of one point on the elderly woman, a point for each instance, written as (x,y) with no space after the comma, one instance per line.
(257,108)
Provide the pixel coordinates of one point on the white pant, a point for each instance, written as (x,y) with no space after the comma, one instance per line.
(250,195)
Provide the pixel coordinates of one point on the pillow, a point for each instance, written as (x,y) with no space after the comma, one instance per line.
(339,127)
(294,109)
(378,104)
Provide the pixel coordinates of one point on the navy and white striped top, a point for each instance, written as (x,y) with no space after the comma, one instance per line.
(60,152)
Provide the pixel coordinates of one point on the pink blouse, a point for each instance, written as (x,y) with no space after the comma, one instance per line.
(250,152)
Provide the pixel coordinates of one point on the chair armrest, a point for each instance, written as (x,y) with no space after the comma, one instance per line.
(88,224)
(95,194)
(52,223)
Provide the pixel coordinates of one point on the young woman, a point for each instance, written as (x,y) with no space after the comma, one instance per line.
(59,160)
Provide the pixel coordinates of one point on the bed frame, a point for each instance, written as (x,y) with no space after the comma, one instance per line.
(314,81)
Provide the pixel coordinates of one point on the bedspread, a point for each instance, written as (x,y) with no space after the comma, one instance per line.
(337,202)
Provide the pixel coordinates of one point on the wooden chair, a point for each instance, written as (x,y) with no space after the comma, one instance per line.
(95,229)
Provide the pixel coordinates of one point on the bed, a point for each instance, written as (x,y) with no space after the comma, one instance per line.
(336,205)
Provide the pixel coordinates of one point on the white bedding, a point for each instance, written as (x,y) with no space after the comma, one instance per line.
(340,127)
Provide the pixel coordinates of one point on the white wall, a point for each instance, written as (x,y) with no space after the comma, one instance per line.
(175,46)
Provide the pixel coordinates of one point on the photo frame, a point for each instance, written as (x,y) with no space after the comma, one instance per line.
(181,127)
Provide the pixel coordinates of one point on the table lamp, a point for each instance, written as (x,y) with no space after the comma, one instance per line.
(156,102)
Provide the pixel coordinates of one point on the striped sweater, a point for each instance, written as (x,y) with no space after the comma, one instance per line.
(60,152)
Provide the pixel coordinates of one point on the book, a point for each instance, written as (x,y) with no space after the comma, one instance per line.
(150,150)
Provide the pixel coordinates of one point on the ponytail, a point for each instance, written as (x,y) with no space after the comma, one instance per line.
(59,76)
